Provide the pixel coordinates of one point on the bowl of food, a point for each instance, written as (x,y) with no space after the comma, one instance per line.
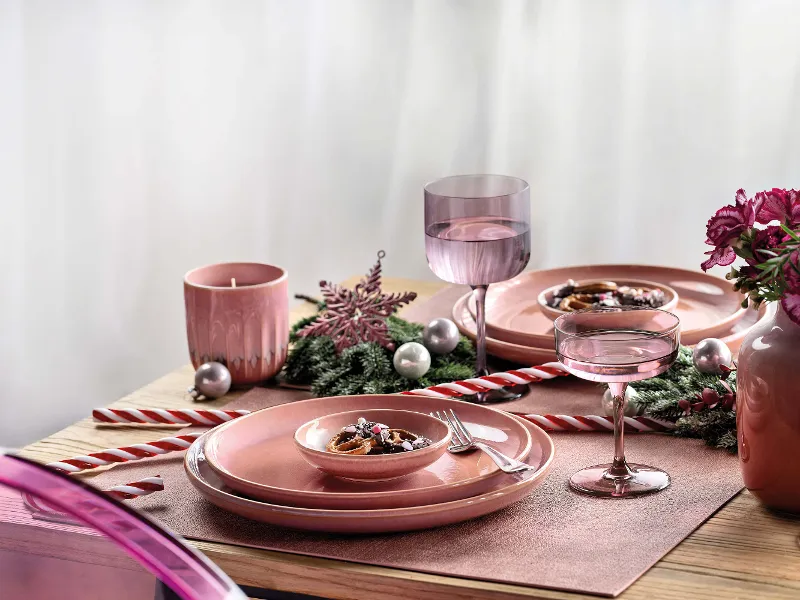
(572,296)
(372,445)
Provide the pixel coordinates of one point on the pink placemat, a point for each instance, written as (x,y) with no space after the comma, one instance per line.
(553,538)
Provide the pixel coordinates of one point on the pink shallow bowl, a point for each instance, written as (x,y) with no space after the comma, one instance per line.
(707,305)
(312,437)
(256,456)
(529,355)
(670,295)
(504,491)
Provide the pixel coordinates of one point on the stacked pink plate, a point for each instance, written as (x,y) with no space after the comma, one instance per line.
(251,467)
(519,330)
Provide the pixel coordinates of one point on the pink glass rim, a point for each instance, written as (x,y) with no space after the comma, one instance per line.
(271,275)
(187,572)
(565,322)
(507,179)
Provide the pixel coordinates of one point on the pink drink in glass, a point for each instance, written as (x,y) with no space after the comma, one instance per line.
(475,251)
(616,346)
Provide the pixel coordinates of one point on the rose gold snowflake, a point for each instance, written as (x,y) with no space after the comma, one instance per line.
(358,315)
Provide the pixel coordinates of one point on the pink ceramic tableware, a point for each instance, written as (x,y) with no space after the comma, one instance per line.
(256,455)
(670,295)
(238,314)
(707,305)
(529,355)
(311,439)
(504,491)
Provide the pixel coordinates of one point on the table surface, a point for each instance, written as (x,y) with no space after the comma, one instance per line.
(742,551)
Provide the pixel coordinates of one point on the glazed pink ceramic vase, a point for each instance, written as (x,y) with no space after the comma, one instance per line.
(238,314)
(768,412)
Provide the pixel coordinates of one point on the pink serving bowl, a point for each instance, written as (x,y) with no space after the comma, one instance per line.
(311,438)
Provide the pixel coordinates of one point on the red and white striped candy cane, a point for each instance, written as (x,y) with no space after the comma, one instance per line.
(495,381)
(596,423)
(166,416)
(137,489)
(125,453)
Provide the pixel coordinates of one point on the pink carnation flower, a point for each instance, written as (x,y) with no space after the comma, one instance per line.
(766,239)
(778,205)
(725,227)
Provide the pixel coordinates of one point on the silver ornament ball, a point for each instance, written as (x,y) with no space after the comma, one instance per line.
(412,360)
(441,336)
(212,380)
(632,407)
(711,354)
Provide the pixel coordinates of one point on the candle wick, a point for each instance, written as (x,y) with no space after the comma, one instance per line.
(233,282)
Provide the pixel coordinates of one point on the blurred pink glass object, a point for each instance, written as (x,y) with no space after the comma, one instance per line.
(477,232)
(102,571)
(238,314)
(616,346)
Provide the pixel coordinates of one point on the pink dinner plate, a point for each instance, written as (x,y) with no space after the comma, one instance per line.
(504,491)
(255,455)
(528,355)
(707,305)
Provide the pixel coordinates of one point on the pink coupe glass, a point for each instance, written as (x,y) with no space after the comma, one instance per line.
(477,232)
(615,346)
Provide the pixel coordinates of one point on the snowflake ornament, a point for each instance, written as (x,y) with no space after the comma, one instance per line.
(358,315)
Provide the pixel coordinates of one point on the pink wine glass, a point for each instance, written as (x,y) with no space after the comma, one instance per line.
(477,232)
(615,346)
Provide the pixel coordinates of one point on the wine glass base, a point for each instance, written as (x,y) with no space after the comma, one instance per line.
(595,481)
(496,396)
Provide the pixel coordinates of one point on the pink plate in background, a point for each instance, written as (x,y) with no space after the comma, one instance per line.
(504,491)
(707,306)
(529,356)
(255,455)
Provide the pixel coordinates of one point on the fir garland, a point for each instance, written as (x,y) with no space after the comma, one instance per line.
(685,395)
(367,368)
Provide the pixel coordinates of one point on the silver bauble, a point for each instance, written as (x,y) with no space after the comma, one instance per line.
(212,380)
(412,360)
(632,407)
(711,354)
(441,336)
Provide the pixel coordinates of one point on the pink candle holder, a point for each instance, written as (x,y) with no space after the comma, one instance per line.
(238,314)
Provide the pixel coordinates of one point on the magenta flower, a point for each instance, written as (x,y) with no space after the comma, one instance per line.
(778,205)
(766,239)
(725,227)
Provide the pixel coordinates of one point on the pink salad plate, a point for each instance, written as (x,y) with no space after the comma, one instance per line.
(502,492)
(256,456)
(528,355)
(707,305)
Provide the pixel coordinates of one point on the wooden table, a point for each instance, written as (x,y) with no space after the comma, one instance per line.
(743,551)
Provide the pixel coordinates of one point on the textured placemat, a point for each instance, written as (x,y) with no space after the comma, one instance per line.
(553,538)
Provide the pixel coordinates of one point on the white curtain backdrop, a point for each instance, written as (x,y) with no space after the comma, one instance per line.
(139,139)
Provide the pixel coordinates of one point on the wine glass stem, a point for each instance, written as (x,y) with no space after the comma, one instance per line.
(479,293)
(619,467)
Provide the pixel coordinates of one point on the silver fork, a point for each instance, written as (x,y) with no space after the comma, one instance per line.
(463,441)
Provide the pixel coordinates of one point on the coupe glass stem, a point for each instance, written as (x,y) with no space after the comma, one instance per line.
(479,293)
(619,468)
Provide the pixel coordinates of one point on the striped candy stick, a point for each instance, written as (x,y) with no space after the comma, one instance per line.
(166,416)
(495,381)
(596,423)
(125,453)
(137,489)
